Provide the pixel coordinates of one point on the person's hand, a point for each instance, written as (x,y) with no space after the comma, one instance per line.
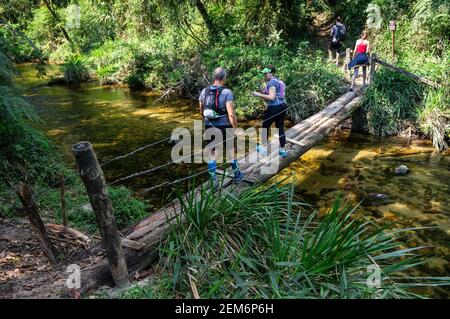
(254,93)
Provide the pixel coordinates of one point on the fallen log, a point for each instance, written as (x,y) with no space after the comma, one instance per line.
(152,230)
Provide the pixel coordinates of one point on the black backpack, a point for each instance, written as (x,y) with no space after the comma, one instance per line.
(340,32)
(211,100)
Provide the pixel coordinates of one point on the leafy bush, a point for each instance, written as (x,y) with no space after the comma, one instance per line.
(75,70)
(391,100)
(127,209)
(434,117)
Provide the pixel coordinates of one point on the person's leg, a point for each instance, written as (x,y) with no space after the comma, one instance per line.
(364,74)
(212,163)
(268,120)
(355,75)
(338,50)
(279,123)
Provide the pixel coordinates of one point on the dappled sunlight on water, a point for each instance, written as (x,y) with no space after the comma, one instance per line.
(117,120)
(362,168)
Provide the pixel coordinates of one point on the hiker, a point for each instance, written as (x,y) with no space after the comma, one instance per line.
(217,108)
(273,95)
(360,57)
(336,36)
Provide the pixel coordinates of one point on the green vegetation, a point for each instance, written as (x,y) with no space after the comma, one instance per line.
(174,45)
(27,155)
(423,49)
(266,243)
(75,70)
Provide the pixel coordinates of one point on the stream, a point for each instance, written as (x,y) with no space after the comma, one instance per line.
(361,167)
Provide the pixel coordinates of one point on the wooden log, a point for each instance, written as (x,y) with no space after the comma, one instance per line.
(26,196)
(132,244)
(409,74)
(94,181)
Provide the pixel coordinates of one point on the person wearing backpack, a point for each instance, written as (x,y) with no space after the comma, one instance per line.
(274,96)
(217,108)
(336,37)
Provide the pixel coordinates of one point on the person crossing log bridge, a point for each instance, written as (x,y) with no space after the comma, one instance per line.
(150,231)
(274,96)
(360,58)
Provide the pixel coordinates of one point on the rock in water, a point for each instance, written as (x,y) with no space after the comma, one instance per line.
(402,170)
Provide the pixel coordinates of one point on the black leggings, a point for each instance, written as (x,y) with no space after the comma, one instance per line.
(275,114)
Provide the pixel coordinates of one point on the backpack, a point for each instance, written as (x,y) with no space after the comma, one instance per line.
(282,85)
(340,32)
(211,102)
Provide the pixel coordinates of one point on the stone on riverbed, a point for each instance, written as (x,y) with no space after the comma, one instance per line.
(401,170)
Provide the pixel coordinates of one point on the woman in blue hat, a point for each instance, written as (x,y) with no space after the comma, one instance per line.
(274,96)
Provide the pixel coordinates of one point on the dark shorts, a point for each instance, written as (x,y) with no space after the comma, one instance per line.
(360,59)
(227,135)
(334,46)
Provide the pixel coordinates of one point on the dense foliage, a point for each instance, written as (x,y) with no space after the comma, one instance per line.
(267,243)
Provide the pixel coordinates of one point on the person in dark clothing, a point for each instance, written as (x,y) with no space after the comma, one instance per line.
(273,95)
(336,36)
(217,108)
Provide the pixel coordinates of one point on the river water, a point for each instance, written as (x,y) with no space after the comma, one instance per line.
(117,120)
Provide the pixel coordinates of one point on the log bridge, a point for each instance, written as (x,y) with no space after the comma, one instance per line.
(100,264)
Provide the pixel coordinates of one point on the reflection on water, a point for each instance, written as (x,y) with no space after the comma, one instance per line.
(117,120)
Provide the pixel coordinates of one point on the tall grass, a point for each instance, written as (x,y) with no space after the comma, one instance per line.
(266,243)
(434,117)
(390,102)
(75,70)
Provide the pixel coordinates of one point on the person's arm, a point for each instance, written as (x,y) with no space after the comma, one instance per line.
(368,48)
(354,50)
(200,104)
(268,97)
(231,114)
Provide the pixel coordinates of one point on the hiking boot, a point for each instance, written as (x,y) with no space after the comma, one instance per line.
(261,150)
(283,153)
(238,177)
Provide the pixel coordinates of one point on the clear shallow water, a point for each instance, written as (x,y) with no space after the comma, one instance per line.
(117,120)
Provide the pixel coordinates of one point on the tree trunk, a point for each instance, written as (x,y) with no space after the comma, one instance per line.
(204,13)
(55,15)
(27,198)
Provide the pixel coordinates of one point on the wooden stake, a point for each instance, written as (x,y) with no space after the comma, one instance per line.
(94,181)
(26,196)
(347,59)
